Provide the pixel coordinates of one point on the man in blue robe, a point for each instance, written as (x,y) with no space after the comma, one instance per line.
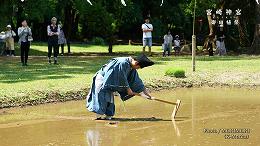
(118,75)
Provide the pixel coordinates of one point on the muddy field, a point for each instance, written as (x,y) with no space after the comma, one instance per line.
(207,116)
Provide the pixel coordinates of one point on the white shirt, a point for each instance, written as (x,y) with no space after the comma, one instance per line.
(147,26)
(10,34)
(168,39)
(2,36)
(177,43)
(23,33)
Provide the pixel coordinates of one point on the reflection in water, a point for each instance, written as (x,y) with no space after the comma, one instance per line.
(177,131)
(92,137)
(112,133)
(107,133)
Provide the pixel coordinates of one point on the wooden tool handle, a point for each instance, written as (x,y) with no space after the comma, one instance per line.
(160,100)
(164,101)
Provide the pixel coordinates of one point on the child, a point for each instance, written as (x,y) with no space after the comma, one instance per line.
(118,75)
(177,45)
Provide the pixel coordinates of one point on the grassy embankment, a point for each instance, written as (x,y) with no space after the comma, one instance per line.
(41,82)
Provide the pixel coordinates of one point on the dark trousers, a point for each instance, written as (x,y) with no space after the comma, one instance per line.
(211,53)
(53,43)
(9,52)
(24,51)
(62,48)
(177,50)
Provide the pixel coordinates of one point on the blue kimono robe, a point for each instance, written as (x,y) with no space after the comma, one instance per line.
(116,75)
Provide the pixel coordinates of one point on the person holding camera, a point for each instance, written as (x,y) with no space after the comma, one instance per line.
(25,36)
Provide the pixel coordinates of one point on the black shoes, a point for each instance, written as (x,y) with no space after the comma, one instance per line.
(55,60)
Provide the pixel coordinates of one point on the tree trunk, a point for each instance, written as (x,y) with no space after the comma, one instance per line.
(76,24)
(243,39)
(19,14)
(111,39)
(68,13)
(256,42)
(110,48)
(211,32)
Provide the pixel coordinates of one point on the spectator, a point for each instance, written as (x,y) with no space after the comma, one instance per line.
(61,39)
(221,48)
(177,45)
(147,35)
(167,44)
(25,36)
(10,34)
(53,32)
(2,43)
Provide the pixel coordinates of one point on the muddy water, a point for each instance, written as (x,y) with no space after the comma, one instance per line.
(207,116)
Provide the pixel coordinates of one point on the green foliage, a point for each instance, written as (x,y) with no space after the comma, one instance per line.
(97,21)
(4,14)
(98,41)
(175,72)
(201,7)
(160,28)
(109,19)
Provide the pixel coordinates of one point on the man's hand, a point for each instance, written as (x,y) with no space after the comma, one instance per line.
(147,94)
(147,30)
(130,92)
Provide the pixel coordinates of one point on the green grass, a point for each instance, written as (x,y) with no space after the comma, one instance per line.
(75,72)
(175,72)
(40,49)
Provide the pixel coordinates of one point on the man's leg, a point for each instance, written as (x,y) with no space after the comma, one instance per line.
(49,51)
(144,44)
(56,52)
(164,52)
(164,49)
(150,51)
(62,49)
(149,41)
(22,53)
(26,52)
(169,50)
(110,111)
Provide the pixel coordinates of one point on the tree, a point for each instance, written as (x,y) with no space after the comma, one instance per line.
(256,41)
(6,12)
